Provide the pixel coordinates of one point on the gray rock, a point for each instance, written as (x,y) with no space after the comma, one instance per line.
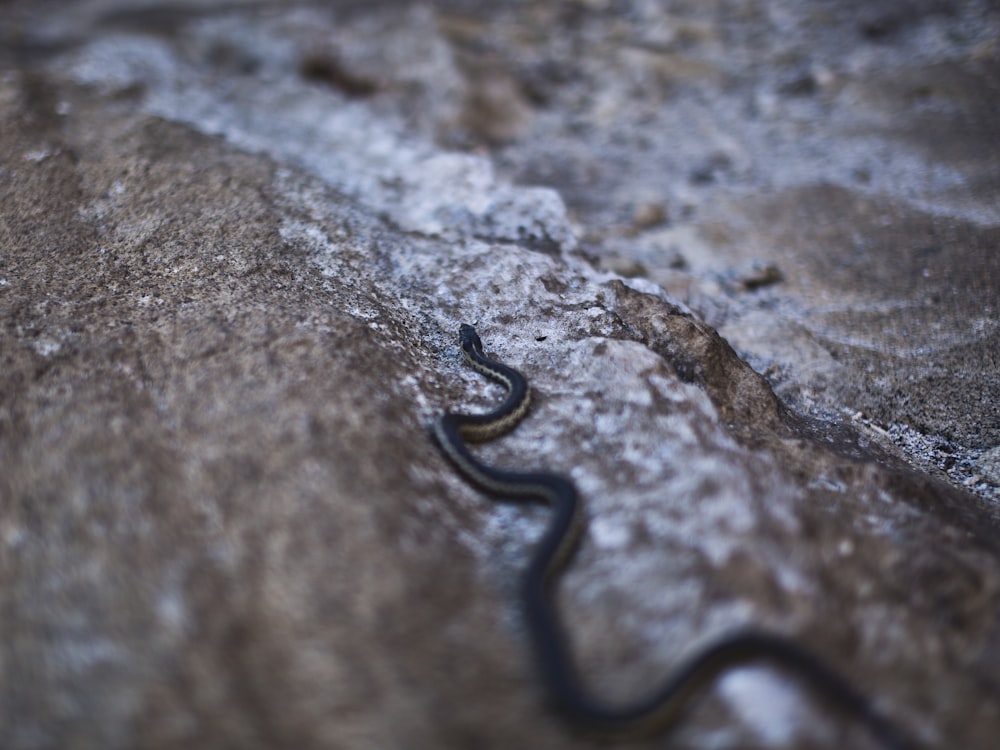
(236,246)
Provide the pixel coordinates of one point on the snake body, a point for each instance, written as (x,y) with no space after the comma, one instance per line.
(452,431)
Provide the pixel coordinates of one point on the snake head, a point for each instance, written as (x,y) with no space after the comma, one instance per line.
(469,339)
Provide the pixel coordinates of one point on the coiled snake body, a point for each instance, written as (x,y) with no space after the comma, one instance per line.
(452,431)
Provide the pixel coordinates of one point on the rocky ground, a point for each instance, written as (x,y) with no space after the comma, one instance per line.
(745,252)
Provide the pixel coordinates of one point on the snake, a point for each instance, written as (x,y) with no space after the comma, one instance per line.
(663,706)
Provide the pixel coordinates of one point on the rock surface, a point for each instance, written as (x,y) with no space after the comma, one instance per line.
(235,246)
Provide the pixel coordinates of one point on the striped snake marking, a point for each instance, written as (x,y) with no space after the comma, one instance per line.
(453,431)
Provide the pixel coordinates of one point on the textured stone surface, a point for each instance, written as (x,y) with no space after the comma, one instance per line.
(817,180)
(235,247)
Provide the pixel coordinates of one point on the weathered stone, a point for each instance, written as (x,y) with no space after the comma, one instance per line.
(862,167)
(230,286)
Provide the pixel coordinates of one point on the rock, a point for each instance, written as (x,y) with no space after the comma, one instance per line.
(648,215)
(229,299)
(853,151)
